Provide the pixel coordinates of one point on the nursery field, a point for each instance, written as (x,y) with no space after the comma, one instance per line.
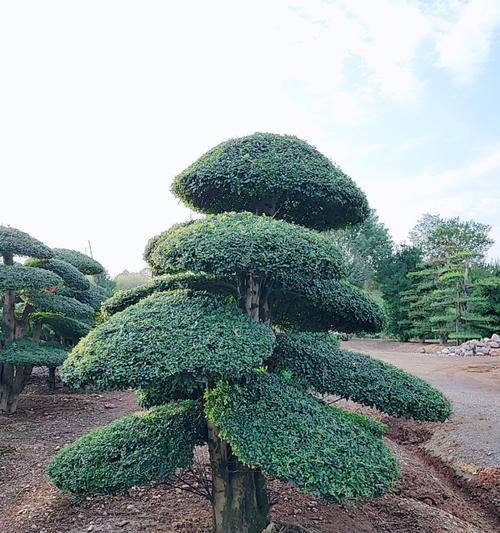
(428,497)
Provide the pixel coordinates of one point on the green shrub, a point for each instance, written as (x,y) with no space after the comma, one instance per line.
(193,335)
(357,377)
(54,303)
(265,171)
(233,243)
(290,435)
(134,450)
(19,277)
(23,352)
(84,263)
(168,282)
(70,274)
(323,305)
(16,242)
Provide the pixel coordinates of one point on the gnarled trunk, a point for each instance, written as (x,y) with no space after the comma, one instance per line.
(12,381)
(240,503)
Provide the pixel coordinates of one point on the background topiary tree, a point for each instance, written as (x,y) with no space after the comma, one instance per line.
(228,344)
(45,309)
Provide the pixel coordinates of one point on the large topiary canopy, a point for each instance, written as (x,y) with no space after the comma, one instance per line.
(180,335)
(18,277)
(290,435)
(23,352)
(16,242)
(280,174)
(315,361)
(236,243)
(168,282)
(146,446)
(72,277)
(82,262)
(55,303)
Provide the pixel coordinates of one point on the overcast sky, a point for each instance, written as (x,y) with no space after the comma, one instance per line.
(103,102)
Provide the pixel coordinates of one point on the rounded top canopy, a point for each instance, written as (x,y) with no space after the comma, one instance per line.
(17,242)
(280,175)
(82,262)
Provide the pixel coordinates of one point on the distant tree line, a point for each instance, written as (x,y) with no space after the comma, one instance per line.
(440,286)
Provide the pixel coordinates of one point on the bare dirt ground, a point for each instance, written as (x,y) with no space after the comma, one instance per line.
(425,499)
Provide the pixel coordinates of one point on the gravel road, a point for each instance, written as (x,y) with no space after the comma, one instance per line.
(470,440)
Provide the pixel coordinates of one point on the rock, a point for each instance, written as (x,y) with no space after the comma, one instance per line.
(422,350)
(495,337)
(495,352)
(468,353)
(494,344)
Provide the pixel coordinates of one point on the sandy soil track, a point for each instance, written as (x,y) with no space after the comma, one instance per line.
(470,440)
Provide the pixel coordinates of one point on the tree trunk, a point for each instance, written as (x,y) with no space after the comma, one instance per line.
(12,381)
(52,378)
(240,503)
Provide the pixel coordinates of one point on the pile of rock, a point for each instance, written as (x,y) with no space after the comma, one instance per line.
(474,347)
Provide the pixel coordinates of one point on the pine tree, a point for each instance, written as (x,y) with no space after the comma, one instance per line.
(42,311)
(228,345)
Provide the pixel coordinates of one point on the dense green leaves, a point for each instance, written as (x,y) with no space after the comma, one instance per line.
(237,243)
(16,242)
(23,352)
(314,360)
(93,296)
(290,435)
(62,326)
(82,262)
(70,274)
(278,174)
(168,282)
(170,335)
(134,450)
(54,303)
(18,277)
(322,305)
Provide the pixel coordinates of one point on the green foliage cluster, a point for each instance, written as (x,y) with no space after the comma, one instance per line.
(194,336)
(168,282)
(84,263)
(367,248)
(16,242)
(61,326)
(394,283)
(23,352)
(72,277)
(236,243)
(55,303)
(275,426)
(133,450)
(18,277)
(437,237)
(446,302)
(314,360)
(94,296)
(374,426)
(322,305)
(278,171)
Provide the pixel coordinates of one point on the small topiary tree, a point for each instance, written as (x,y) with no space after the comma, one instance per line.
(221,345)
(42,309)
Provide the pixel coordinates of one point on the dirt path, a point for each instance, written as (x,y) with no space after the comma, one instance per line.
(424,500)
(470,441)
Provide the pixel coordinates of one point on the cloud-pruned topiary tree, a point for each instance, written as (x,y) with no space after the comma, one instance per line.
(42,314)
(224,332)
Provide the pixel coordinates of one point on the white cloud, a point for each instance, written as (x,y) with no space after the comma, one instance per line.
(468,191)
(464,46)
